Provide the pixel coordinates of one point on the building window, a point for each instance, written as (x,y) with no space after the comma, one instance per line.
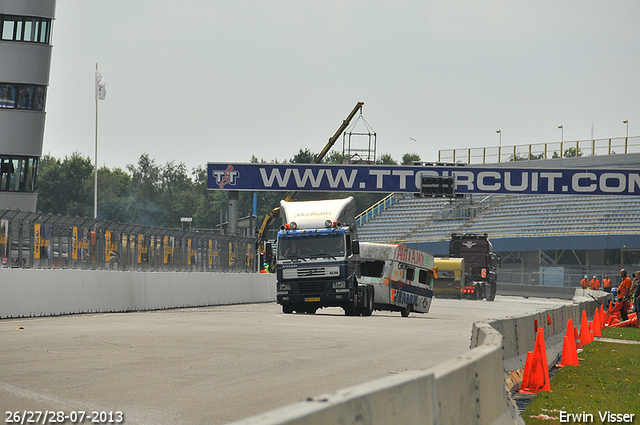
(25,28)
(18,174)
(22,96)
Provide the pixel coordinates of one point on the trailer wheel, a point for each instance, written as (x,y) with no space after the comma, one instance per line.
(367,309)
(405,311)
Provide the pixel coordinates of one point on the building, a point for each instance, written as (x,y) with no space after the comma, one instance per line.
(25,58)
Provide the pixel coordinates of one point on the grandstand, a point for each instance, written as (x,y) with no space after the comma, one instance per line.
(529,230)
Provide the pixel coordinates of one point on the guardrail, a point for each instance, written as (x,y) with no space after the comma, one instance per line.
(544,150)
(36,240)
(376,209)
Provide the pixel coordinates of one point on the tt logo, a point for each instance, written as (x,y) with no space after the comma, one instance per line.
(228,176)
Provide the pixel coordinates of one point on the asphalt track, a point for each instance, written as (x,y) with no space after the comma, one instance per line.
(217,364)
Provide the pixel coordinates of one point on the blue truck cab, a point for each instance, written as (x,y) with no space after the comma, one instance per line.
(318,257)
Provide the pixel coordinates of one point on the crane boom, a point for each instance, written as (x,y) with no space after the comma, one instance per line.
(289,196)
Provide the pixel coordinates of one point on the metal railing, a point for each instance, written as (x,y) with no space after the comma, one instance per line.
(557,275)
(376,209)
(36,240)
(546,150)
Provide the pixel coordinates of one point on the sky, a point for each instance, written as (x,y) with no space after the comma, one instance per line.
(221,80)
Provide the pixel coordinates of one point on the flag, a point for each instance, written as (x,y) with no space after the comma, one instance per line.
(101,86)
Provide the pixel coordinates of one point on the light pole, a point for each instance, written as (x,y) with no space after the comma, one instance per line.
(627,123)
(561,133)
(500,145)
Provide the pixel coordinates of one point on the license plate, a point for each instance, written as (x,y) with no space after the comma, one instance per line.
(311,300)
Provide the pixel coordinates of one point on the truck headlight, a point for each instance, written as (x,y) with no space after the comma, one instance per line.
(284,286)
(339,284)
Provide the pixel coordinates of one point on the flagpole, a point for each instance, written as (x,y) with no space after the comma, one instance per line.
(95,172)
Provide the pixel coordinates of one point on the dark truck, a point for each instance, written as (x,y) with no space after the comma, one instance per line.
(481,264)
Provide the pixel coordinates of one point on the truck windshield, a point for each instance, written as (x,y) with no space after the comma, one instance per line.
(322,246)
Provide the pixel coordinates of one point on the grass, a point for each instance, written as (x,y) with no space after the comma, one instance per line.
(608,379)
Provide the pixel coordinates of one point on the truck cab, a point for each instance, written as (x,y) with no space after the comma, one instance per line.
(317,257)
(481,264)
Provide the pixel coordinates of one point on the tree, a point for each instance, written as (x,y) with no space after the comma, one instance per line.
(408,158)
(333,157)
(386,159)
(303,157)
(209,203)
(114,188)
(568,153)
(176,194)
(66,187)
(145,188)
(526,157)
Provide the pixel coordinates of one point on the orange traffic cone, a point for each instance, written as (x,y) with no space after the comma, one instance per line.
(602,317)
(596,325)
(576,337)
(526,375)
(569,356)
(571,330)
(631,322)
(585,337)
(537,378)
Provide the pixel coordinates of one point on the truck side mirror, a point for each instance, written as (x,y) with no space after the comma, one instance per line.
(355,247)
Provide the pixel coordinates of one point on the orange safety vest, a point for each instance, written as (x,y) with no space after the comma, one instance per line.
(595,284)
(606,283)
(584,283)
(624,288)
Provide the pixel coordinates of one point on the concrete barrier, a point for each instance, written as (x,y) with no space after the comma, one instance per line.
(27,293)
(472,389)
(539,291)
(466,390)
(520,331)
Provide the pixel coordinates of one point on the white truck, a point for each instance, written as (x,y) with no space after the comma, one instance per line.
(317,258)
(401,278)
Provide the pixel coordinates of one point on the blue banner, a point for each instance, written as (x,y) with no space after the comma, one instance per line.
(407,179)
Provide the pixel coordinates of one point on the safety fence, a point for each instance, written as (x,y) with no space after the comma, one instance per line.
(562,276)
(46,241)
(544,150)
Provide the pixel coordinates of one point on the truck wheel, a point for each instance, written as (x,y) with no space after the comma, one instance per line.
(286,309)
(405,311)
(351,309)
(367,310)
(479,291)
(491,295)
